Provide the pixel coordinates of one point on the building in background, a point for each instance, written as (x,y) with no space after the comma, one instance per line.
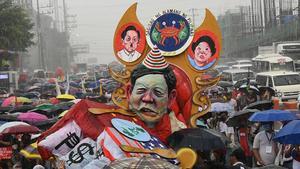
(261,23)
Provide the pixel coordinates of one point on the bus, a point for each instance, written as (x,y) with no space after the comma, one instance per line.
(272,62)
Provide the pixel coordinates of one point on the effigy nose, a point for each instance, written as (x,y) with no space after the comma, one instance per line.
(147,97)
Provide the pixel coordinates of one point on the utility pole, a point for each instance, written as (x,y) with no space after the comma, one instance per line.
(40,38)
(66,34)
(298,10)
(193,11)
(56,15)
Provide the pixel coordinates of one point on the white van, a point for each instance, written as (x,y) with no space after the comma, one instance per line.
(234,75)
(242,66)
(285,84)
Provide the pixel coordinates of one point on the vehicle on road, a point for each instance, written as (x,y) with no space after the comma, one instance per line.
(285,84)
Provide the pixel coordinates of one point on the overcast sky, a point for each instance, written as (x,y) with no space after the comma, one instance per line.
(97,19)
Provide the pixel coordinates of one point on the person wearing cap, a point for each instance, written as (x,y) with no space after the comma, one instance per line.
(237,159)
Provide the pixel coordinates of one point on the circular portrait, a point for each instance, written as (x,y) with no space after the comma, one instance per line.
(171,32)
(130,42)
(204,50)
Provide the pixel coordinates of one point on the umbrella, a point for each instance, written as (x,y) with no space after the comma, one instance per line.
(64,105)
(273,115)
(13,99)
(66,97)
(46,124)
(17,127)
(32,88)
(140,162)
(62,114)
(8,117)
(225,84)
(47,107)
(244,82)
(75,101)
(31,152)
(264,88)
(32,95)
(221,107)
(260,105)
(236,117)
(289,134)
(247,87)
(271,166)
(21,108)
(5,109)
(32,117)
(197,139)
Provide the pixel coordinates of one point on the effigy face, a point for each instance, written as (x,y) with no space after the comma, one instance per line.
(130,42)
(203,52)
(149,97)
(191,52)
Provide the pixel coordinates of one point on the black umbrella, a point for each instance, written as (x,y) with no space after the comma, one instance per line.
(21,108)
(5,109)
(235,119)
(44,125)
(260,105)
(198,139)
(271,166)
(8,117)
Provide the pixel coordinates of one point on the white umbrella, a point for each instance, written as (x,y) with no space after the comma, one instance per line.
(11,124)
(221,107)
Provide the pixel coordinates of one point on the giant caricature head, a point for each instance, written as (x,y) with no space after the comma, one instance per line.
(130,38)
(151,91)
(203,49)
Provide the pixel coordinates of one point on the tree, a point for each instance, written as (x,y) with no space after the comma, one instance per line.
(15,27)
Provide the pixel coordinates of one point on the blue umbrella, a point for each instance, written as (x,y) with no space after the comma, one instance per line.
(273,115)
(289,134)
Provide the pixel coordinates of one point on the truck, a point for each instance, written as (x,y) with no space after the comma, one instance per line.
(272,62)
(288,49)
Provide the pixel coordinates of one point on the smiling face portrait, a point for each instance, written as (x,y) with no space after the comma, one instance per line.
(151,94)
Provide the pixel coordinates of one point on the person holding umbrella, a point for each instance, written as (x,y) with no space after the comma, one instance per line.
(237,159)
(264,148)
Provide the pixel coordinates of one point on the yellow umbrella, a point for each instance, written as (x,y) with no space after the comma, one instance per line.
(66,96)
(63,114)
(23,100)
(31,152)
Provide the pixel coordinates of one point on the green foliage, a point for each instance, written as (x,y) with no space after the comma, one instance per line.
(155,35)
(183,34)
(15,27)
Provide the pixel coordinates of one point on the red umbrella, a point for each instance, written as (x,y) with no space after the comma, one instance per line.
(32,117)
(17,127)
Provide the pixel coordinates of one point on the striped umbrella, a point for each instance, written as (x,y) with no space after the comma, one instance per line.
(31,152)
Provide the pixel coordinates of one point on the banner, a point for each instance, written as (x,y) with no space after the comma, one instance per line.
(5,153)
(81,155)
